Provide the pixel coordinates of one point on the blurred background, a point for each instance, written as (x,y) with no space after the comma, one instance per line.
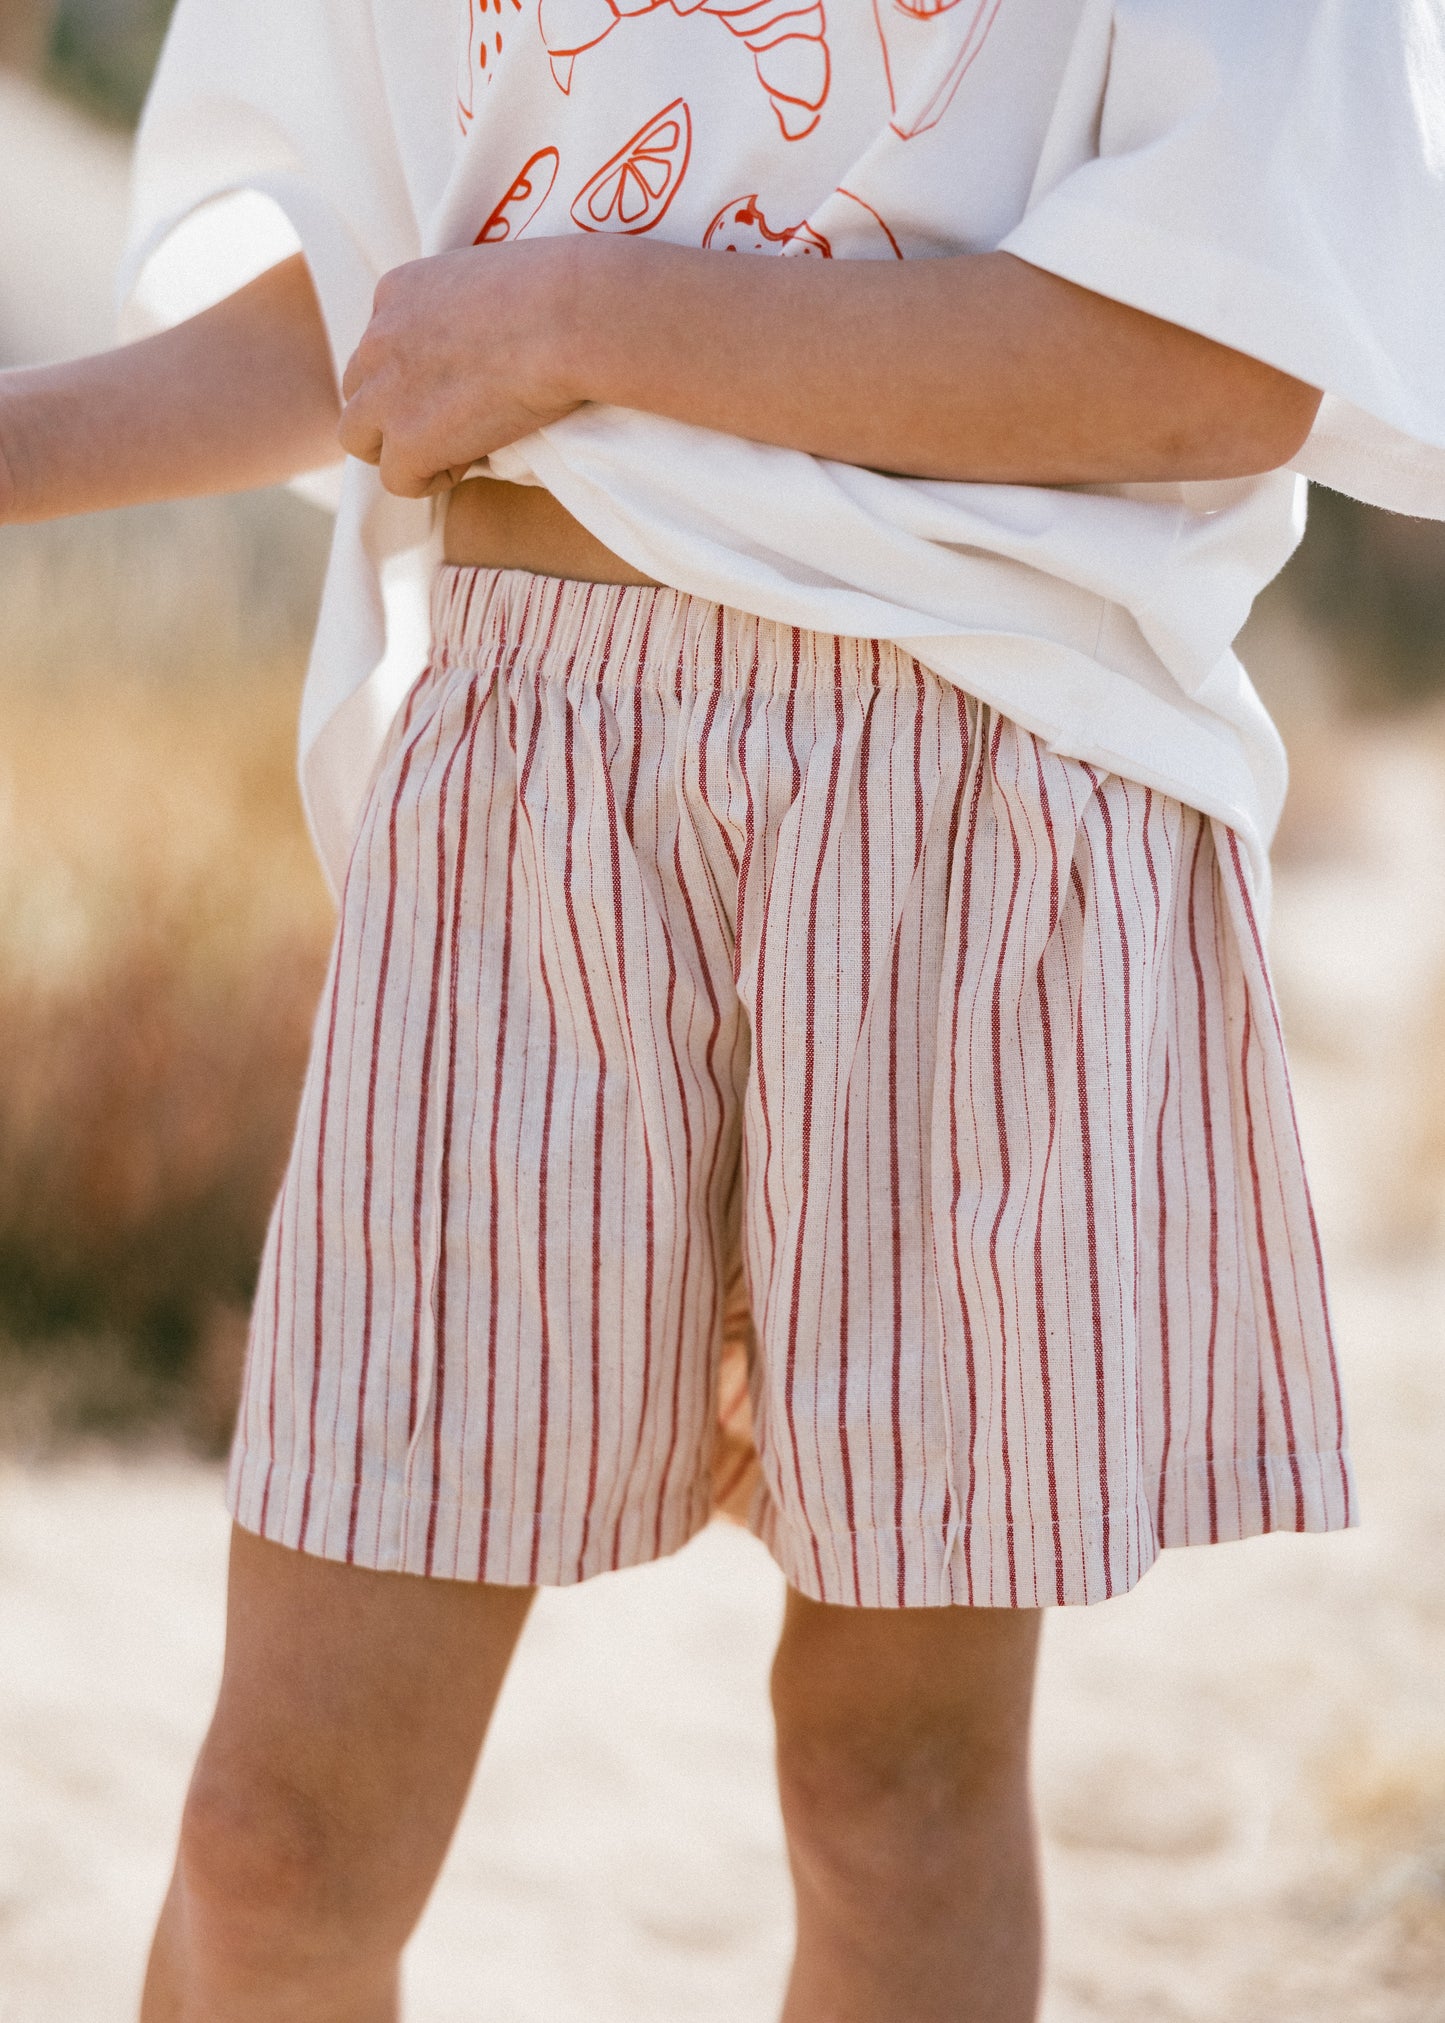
(1242,1766)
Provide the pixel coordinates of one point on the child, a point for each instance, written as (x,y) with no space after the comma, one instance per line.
(807,896)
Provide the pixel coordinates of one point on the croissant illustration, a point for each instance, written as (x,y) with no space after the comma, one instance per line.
(788,45)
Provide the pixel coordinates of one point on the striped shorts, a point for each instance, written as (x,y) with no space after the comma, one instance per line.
(753,1072)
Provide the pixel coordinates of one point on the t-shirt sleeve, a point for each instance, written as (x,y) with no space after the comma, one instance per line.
(267,129)
(1271,173)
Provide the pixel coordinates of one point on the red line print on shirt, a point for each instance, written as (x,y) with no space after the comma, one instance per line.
(787,39)
(529,191)
(922,35)
(631,192)
(741,227)
(479,56)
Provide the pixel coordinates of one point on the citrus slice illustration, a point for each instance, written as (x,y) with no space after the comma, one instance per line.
(631,192)
(530,190)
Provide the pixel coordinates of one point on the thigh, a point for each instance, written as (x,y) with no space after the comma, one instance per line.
(356,1704)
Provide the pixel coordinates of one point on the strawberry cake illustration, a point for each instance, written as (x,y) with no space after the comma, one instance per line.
(741,227)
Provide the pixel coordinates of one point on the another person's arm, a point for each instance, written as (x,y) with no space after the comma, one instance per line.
(971,367)
(239,396)
(976,367)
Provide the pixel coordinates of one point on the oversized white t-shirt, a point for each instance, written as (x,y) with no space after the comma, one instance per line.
(1268,172)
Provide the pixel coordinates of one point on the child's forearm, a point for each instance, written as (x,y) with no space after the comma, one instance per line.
(242,395)
(975,367)
(979,368)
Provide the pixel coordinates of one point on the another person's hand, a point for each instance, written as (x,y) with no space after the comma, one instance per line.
(463,355)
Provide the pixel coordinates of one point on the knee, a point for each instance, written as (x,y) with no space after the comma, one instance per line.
(260,1860)
(876,1785)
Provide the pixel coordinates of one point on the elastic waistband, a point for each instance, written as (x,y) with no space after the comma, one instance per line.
(631,633)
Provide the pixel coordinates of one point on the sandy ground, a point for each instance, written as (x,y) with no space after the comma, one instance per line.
(1241,1766)
(1237,1764)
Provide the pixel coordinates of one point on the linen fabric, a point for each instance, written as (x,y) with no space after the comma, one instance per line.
(703,983)
(1270,175)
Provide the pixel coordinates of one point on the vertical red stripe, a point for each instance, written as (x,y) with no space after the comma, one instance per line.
(599,1118)
(1271,1311)
(865,942)
(544,1369)
(1091,1229)
(1241,885)
(619,942)
(810,991)
(1166,1359)
(369,1152)
(425,1086)
(1001,1128)
(320,1276)
(965,942)
(504,1034)
(1206,1110)
(1046,1031)
(468,744)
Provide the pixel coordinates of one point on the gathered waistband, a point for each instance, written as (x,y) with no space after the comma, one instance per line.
(631,633)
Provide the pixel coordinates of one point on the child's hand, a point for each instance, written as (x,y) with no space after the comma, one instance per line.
(463,355)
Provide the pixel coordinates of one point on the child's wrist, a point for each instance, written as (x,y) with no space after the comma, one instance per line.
(593,279)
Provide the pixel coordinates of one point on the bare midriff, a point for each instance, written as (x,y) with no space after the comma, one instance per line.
(492,525)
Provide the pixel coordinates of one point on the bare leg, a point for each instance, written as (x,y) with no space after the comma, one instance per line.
(903,1770)
(352,1710)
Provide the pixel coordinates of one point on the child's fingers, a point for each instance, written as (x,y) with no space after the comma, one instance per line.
(358,434)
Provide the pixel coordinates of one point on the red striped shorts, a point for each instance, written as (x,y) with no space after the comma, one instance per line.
(752,1069)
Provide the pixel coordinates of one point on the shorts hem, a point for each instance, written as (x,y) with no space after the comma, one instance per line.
(386,1530)
(1218,1504)
(383,1529)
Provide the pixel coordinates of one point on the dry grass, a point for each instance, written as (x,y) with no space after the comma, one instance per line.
(162,935)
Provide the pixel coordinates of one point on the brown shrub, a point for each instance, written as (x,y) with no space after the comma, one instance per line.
(162,937)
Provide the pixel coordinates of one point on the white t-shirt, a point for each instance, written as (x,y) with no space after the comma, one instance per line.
(1268,172)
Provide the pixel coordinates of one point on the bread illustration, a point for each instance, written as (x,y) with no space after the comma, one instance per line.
(529,190)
